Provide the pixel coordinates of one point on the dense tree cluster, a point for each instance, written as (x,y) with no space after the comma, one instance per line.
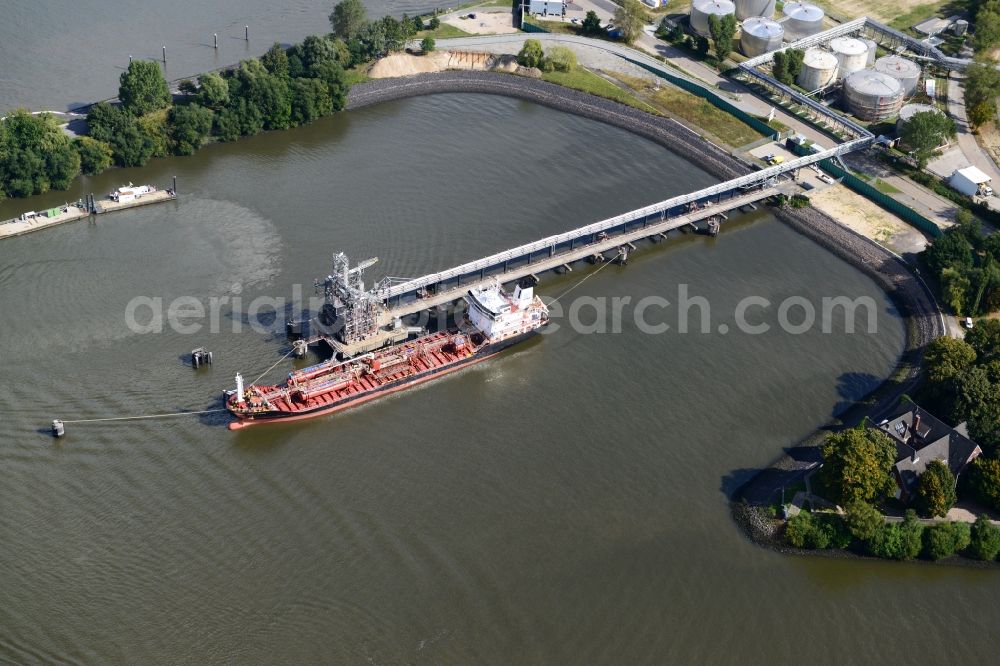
(982,87)
(967,266)
(987,24)
(35,155)
(787,64)
(962,383)
(281,89)
(722,30)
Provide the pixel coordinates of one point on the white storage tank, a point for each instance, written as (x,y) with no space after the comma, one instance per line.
(905,71)
(872,95)
(911,110)
(872,51)
(760,35)
(852,55)
(803,19)
(819,69)
(702,9)
(749,8)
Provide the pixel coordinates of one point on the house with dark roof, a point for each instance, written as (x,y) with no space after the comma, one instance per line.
(920,438)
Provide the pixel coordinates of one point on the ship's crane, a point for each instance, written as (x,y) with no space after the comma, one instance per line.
(347,300)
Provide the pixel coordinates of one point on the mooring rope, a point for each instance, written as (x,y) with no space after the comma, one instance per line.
(273,366)
(145,416)
(587,277)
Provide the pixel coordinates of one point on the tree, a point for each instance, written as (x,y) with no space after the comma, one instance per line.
(987,25)
(561,59)
(864,520)
(275,60)
(592,24)
(188,87)
(531,54)
(955,287)
(951,250)
(945,539)
(154,125)
(427,44)
(947,358)
(263,92)
(924,133)
(35,155)
(348,18)
(189,125)
(984,339)
(213,91)
(132,146)
(898,541)
(434,23)
(779,68)
(701,44)
(95,156)
(984,481)
(722,30)
(984,542)
(982,86)
(857,465)
(794,58)
(143,88)
(418,24)
(310,100)
(935,490)
(629,19)
(817,531)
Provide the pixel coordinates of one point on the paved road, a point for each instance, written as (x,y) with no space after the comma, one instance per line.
(974,153)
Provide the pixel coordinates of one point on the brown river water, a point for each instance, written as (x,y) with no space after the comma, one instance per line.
(565,502)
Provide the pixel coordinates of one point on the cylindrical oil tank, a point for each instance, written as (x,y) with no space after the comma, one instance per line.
(702,9)
(819,69)
(905,71)
(872,95)
(958,28)
(803,19)
(760,35)
(911,110)
(872,51)
(852,55)
(748,8)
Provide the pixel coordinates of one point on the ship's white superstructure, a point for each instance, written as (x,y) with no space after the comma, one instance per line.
(500,315)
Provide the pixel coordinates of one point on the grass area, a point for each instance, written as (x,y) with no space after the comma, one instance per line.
(923,12)
(588,82)
(878,183)
(444,31)
(557,27)
(694,110)
(356,75)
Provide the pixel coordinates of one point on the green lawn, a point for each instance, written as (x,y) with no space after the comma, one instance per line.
(355,75)
(444,31)
(586,81)
(694,110)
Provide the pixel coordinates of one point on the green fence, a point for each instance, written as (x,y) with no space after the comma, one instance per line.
(882,199)
(531,27)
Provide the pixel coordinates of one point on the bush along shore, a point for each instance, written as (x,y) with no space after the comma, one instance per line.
(281,89)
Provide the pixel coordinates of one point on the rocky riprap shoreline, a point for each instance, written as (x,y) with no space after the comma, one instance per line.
(923,322)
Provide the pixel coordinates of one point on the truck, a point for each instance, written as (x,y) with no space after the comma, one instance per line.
(971,182)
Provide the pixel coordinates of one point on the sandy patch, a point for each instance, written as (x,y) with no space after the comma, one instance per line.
(989,139)
(858,213)
(485,23)
(405,64)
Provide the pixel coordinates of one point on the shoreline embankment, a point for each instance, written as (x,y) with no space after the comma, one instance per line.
(910,296)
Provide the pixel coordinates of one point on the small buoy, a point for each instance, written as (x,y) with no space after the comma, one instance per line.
(300,348)
(58,429)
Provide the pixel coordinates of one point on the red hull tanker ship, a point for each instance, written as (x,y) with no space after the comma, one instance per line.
(495,321)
